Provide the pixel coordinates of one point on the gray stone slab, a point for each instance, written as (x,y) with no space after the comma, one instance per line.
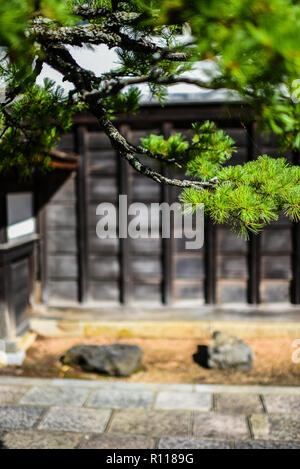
(37,439)
(184,443)
(10,394)
(266,445)
(220,426)
(285,427)
(76,419)
(121,399)
(110,441)
(20,416)
(183,400)
(228,403)
(154,423)
(276,403)
(50,395)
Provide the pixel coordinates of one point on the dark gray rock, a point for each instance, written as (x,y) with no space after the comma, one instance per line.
(114,360)
(229,352)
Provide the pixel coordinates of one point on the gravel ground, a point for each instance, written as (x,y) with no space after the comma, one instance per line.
(167,361)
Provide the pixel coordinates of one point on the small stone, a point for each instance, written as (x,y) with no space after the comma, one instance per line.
(183,400)
(121,398)
(286,403)
(238,403)
(37,439)
(266,445)
(153,423)
(114,360)
(76,419)
(10,394)
(109,441)
(19,417)
(229,352)
(220,426)
(282,427)
(56,396)
(185,443)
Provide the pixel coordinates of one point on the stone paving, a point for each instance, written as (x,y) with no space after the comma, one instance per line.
(43,413)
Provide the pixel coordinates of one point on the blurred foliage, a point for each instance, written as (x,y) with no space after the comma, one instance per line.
(250,47)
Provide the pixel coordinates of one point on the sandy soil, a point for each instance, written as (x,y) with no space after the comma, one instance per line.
(167,361)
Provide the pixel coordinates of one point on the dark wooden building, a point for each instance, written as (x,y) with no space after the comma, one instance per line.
(61,252)
(77,267)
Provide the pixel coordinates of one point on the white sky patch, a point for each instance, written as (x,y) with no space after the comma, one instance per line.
(102,60)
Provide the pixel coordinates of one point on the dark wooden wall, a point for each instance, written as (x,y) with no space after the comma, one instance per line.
(79,267)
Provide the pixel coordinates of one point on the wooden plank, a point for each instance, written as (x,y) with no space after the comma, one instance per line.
(295,286)
(210,261)
(253,291)
(167,258)
(42,227)
(254,269)
(125,284)
(3,218)
(81,136)
(180,112)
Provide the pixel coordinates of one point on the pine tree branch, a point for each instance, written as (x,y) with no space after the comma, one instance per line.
(75,35)
(157,177)
(115,85)
(113,17)
(12,94)
(60,59)
(97,34)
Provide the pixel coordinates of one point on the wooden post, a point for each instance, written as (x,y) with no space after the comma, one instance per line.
(253,293)
(81,136)
(167,285)
(295,286)
(125,283)
(7,316)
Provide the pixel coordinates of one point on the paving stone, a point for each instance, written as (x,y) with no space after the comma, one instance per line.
(20,416)
(50,395)
(285,427)
(109,441)
(10,394)
(220,426)
(276,403)
(151,422)
(228,403)
(121,399)
(266,445)
(183,443)
(76,419)
(183,400)
(37,439)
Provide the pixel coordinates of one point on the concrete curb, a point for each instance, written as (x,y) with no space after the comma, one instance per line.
(172,387)
(163,329)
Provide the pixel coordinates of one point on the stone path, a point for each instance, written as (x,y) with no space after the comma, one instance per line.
(41,413)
